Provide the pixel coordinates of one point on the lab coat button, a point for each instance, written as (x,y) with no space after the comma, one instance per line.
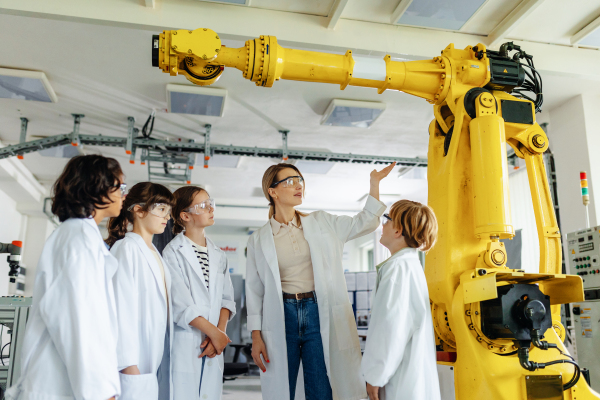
(209,364)
(205,396)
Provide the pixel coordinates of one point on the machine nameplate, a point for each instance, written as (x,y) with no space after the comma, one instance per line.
(547,387)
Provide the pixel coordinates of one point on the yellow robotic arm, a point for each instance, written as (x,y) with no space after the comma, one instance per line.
(490,321)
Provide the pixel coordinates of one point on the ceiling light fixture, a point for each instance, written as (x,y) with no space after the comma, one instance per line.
(26,85)
(439,14)
(313,167)
(196,100)
(235,2)
(351,113)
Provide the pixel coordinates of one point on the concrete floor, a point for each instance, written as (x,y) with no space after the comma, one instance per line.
(246,388)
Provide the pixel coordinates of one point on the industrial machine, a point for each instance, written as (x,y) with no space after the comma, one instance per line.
(584,260)
(499,328)
(14,312)
(14,259)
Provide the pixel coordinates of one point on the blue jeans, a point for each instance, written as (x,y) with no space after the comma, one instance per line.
(303,337)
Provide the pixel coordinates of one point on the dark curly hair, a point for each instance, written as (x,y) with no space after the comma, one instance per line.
(184,197)
(84,186)
(146,193)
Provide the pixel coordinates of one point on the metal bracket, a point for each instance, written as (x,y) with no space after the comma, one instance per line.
(132,157)
(130,134)
(284,136)
(207,145)
(23,137)
(144,156)
(75,134)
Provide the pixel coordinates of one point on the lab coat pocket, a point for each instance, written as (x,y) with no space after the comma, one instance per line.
(138,387)
(345,327)
(184,351)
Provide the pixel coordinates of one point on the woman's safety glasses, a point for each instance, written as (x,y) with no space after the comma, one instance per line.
(386,219)
(201,208)
(290,181)
(159,209)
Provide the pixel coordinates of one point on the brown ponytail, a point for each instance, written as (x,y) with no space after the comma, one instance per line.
(269,178)
(418,222)
(146,193)
(184,197)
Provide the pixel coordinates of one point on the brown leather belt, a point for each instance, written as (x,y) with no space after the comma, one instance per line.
(299,296)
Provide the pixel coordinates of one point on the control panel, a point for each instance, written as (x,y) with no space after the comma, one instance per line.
(583,256)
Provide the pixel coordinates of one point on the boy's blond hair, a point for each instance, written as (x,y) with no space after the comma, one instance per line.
(417,221)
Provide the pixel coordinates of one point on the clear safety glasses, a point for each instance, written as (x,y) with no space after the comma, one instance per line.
(201,208)
(159,209)
(386,219)
(290,181)
(122,186)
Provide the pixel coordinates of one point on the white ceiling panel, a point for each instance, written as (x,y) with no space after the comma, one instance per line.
(312,7)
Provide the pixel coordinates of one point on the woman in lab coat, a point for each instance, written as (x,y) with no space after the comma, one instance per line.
(399,362)
(202,268)
(142,290)
(312,322)
(70,347)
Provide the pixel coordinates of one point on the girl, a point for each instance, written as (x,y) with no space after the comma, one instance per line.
(202,267)
(70,344)
(142,289)
(298,308)
(399,361)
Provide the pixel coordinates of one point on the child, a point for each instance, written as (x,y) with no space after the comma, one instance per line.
(201,267)
(399,362)
(70,345)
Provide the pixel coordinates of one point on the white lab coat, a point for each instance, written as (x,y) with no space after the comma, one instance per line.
(70,344)
(400,351)
(187,367)
(142,316)
(326,235)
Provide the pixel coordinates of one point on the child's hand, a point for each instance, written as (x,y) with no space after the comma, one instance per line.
(373,392)
(209,349)
(218,339)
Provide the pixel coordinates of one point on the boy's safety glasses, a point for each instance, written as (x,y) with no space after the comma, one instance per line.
(290,181)
(201,208)
(122,186)
(386,219)
(159,209)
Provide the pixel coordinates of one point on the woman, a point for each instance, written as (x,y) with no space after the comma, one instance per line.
(70,344)
(142,290)
(202,267)
(401,314)
(298,308)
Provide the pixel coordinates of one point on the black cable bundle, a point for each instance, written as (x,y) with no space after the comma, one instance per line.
(533,80)
(148,126)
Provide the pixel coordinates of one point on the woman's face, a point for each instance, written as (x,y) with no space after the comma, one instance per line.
(198,217)
(115,197)
(155,219)
(289,196)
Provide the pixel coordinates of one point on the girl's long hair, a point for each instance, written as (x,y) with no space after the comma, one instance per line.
(145,194)
(184,197)
(269,178)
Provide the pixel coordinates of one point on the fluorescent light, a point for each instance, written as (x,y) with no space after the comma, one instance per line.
(412,173)
(441,14)
(219,160)
(196,100)
(236,2)
(313,167)
(26,85)
(593,39)
(65,151)
(359,114)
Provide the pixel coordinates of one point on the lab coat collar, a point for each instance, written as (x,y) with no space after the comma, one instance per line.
(184,246)
(407,252)
(151,260)
(93,223)
(276,226)
(268,247)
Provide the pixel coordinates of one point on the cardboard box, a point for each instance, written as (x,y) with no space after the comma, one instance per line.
(350,281)
(362,281)
(362,300)
(372,278)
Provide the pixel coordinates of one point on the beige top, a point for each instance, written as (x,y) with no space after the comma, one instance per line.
(293,255)
(162,272)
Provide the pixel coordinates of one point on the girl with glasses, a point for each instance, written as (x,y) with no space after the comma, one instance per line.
(70,346)
(197,359)
(143,292)
(298,307)
(400,361)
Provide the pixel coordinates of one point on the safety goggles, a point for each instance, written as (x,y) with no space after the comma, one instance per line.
(122,186)
(290,181)
(159,209)
(201,208)
(386,219)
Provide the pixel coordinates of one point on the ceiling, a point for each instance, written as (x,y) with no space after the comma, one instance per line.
(103,71)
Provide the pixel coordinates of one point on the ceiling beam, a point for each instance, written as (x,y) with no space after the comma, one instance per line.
(336,12)
(512,20)
(150,3)
(583,33)
(400,10)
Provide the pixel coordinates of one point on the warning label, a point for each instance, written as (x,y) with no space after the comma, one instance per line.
(586,323)
(587,333)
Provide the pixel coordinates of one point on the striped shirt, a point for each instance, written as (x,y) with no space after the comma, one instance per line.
(202,254)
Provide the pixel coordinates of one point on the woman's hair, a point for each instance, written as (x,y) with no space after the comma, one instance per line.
(418,223)
(269,178)
(145,194)
(84,186)
(184,197)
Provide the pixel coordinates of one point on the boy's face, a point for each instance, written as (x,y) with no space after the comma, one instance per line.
(389,234)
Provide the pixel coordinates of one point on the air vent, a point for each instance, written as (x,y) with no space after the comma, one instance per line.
(196,100)
(26,85)
(358,114)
